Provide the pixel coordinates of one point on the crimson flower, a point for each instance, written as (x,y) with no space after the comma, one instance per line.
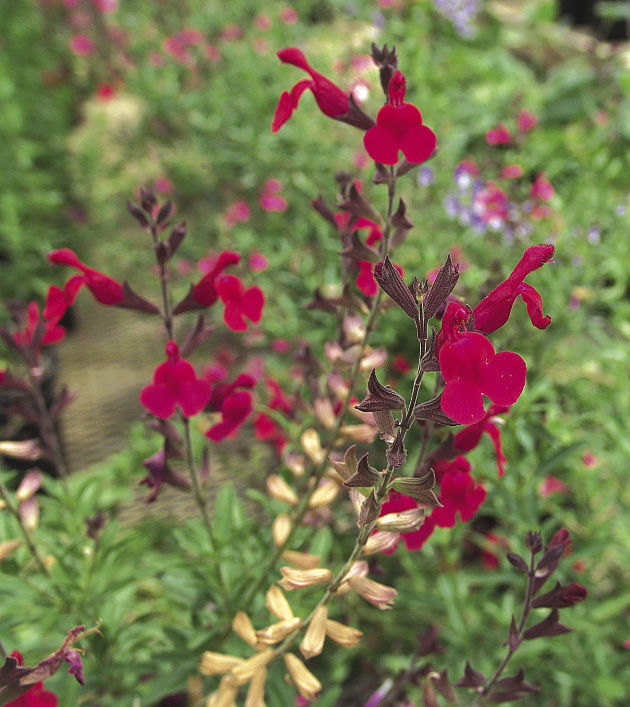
(399,128)
(234,406)
(53,333)
(36,696)
(266,428)
(494,309)
(205,291)
(175,383)
(469,437)
(459,495)
(499,135)
(471,368)
(239,302)
(105,290)
(332,101)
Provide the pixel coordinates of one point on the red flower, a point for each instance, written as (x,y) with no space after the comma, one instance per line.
(550,484)
(332,101)
(494,309)
(499,135)
(541,188)
(526,121)
(105,290)
(53,333)
(235,406)
(469,437)
(472,369)
(36,696)
(205,292)
(175,383)
(265,428)
(399,127)
(458,494)
(239,302)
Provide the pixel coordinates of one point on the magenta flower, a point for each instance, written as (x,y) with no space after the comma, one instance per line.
(459,495)
(526,121)
(541,188)
(53,333)
(175,384)
(105,290)
(499,135)
(332,101)
(469,437)
(239,302)
(234,411)
(399,128)
(471,368)
(494,309)
(81,45)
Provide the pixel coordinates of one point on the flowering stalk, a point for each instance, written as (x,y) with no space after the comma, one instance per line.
(306,494)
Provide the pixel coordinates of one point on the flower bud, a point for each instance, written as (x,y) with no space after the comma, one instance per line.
(218,663)
(295,462)
(225,696)
(358,433)
(248,668)
(302,560)
(29,513)
(313,641)
(376,593)
(345,636)
(277,603)
(307,684)
(279,489)
(382,541)
(358,569)
(281,529)
(256,692)
(312,446)
(373,359)
(276,632)
(298,579)
(29,485)
(354,328)
(325,412)
(561,596)
(324,494)
(8,547)
(242,626)
(402,522)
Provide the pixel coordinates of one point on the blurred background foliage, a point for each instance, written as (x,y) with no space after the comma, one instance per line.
(82,130)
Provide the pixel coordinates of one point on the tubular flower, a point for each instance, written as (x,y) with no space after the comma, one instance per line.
(472,369)
(105,290)
(239,302)
(234,406)
(204,293)
(494,309)
(53,333)
(399,127)
(332,101)
(175,383)
(469,437)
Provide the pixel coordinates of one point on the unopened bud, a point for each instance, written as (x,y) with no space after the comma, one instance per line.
(277,603)
(354,328)
(358,569)
(402,522)
(248,668)
(256,692)
(225,696)
(295,462)
(8,547)
(374,359)
(324,494)
(298,579)
(312,446)
(376,593)
(358,433)
(218,663)
(302,560)
(276,632)
(29,513)
(307,684)
(279,489)
(313,641)
(242,626)
(281,529)
(345,636)
(381,542)
(29,485)
(325,412)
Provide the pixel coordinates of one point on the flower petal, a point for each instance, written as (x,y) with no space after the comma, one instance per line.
(462,401)
(504,378)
